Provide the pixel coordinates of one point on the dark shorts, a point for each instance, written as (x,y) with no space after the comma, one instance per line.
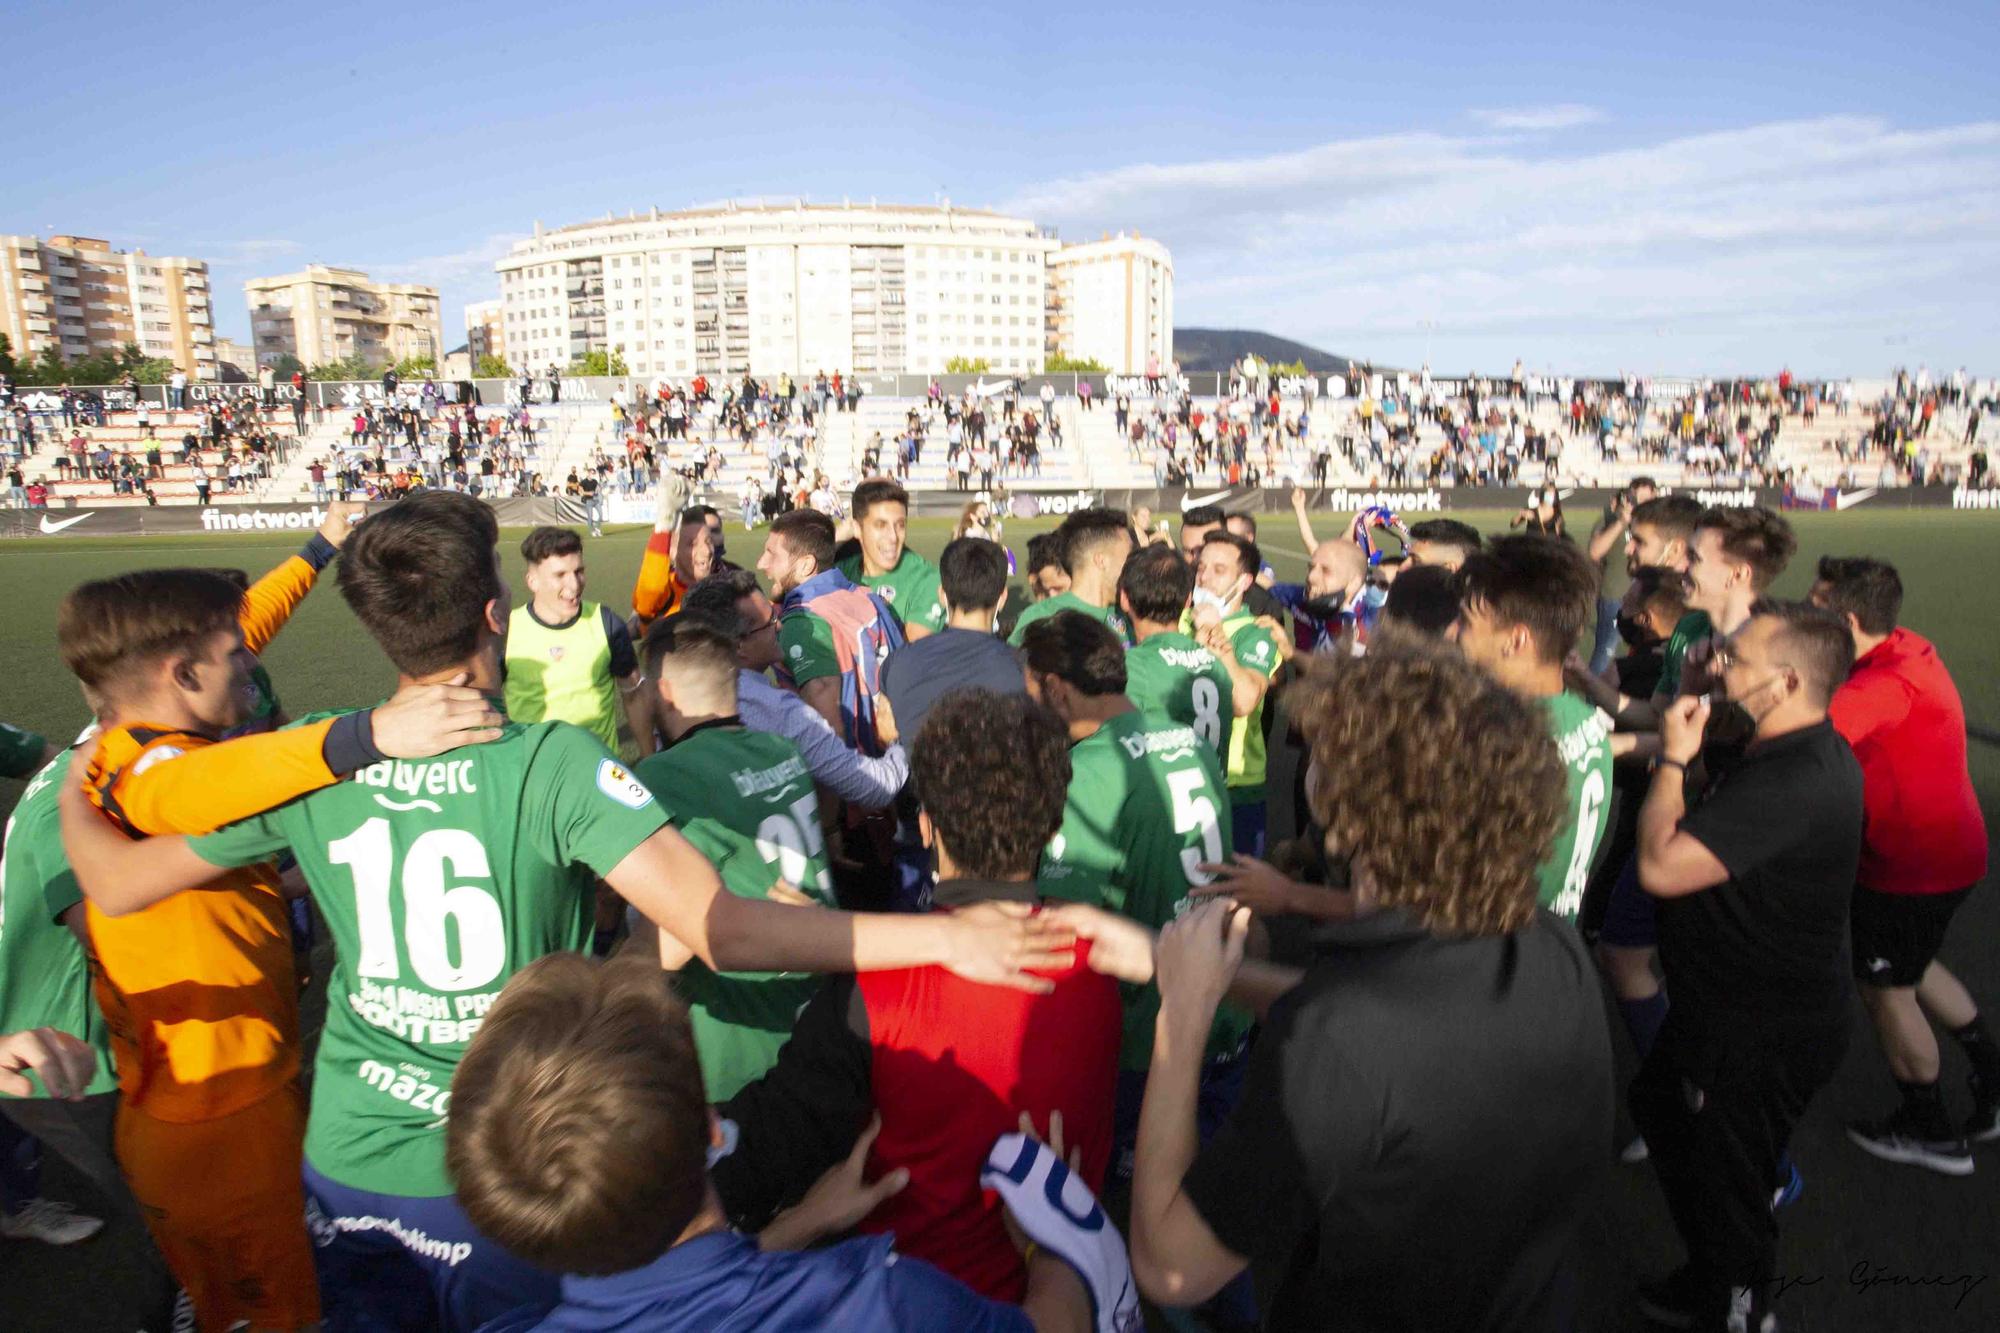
(1896,935)
(1631,920)
(397,1264)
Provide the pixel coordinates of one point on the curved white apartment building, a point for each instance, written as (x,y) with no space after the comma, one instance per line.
(770,289)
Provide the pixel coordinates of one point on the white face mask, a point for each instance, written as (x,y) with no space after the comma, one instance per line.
(1204,599)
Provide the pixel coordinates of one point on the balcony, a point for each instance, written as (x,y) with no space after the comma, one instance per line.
(198,317)
(35,284)
(39,325)
(28,260)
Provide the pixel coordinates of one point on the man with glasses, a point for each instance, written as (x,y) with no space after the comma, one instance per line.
(734,601)
(1753,880)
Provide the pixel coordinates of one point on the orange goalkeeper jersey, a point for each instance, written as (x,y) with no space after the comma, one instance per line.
(198,990)
(658,590)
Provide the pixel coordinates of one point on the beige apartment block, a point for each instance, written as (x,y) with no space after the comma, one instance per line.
(327,314)
(485,330)
(80,296)
(1112,301)
(236,356)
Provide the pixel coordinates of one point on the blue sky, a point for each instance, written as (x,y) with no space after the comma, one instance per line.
(1589,187)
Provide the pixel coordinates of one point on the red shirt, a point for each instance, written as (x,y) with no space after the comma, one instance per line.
(1902,714)
(954,1065)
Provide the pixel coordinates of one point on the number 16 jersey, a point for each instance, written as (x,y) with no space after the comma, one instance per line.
(439,879)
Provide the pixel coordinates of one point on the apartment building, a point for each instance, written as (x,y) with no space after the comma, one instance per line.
(80,296)
(770,289)
(1112,301)
(485,330)
(324,314)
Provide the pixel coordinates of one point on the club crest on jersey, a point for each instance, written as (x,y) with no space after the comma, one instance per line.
(617,782)
(555,652)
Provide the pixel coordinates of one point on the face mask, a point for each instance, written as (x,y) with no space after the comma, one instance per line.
(1204,599)
(1324,608)
(1634,630)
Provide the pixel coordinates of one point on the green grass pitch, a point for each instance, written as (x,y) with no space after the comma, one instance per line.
(1950,564)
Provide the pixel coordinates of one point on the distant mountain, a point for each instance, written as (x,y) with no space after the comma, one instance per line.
(1215,350)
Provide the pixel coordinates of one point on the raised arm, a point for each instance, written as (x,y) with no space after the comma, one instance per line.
(675,887)
(1305,524)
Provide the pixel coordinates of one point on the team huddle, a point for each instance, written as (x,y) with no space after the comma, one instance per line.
(804,951)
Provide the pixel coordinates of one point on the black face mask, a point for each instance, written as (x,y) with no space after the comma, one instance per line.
(1324,608)
(1637,636)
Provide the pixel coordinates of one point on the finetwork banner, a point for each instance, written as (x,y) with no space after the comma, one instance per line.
(170,520)
(184,520)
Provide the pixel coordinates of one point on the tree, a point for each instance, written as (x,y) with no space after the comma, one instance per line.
(1076,365)
(346,368)
(491,367)
(285,367)
(600,364)
(415,367)
(7,366)
(967,365)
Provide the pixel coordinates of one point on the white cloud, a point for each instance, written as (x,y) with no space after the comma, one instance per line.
(1557,116)
(468,267)
(245,253)
(1842,244)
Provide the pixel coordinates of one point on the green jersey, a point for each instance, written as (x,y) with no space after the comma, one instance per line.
(745,799)
(20,751)
(1583,739)
(910,589)
(439,879)
(1170,673)
(1069,601)
(44,972)
(1146,806)
(1689,630)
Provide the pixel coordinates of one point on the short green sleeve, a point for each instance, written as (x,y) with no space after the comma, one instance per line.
(20,751)
(598,811)
(246,842)
(1256,649)
(805,645)
(60,891)
(926,609)
(1082,862)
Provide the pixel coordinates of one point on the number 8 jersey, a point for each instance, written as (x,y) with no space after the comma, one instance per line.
(439,879)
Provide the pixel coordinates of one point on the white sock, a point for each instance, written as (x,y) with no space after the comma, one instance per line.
(1059,1213)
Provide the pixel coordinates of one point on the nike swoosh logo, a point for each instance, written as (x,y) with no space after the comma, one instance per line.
(1843,501)
(1197,501)
(66,523)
